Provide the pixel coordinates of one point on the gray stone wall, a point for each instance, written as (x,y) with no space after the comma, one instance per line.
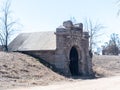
(67,37)
(48,55)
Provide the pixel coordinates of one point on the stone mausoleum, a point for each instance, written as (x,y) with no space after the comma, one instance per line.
(66,49)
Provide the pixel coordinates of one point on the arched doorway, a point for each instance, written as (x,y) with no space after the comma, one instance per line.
(73,61)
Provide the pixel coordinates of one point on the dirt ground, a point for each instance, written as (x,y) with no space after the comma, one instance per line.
(19,70)
(111,83)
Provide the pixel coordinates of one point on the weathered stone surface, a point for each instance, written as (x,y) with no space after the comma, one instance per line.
(68,24)
(71,55)
(73,38)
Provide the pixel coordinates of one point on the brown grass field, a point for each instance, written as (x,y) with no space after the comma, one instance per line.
(106,65)
(19,70)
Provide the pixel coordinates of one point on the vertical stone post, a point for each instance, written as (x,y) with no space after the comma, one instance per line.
(61,61)
(88,58)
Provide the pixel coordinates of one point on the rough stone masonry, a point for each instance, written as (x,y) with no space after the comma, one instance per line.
(67,48)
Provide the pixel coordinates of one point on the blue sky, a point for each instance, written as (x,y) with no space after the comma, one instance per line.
(47,15)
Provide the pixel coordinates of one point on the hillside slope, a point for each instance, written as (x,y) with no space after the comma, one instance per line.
(18,69)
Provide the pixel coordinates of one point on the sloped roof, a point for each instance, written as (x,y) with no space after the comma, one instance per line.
(33,41)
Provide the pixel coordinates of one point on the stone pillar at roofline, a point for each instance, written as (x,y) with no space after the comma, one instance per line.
(68,26)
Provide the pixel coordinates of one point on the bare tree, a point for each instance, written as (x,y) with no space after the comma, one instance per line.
(94,32)
(73,19)
(118,5)
(6,25)
(113,46)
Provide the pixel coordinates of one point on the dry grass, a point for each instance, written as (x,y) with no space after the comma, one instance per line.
(106,65)
(17,69)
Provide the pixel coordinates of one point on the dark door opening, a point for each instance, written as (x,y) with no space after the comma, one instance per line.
(73,62)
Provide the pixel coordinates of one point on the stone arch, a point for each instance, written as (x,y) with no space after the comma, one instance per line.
(74,61)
